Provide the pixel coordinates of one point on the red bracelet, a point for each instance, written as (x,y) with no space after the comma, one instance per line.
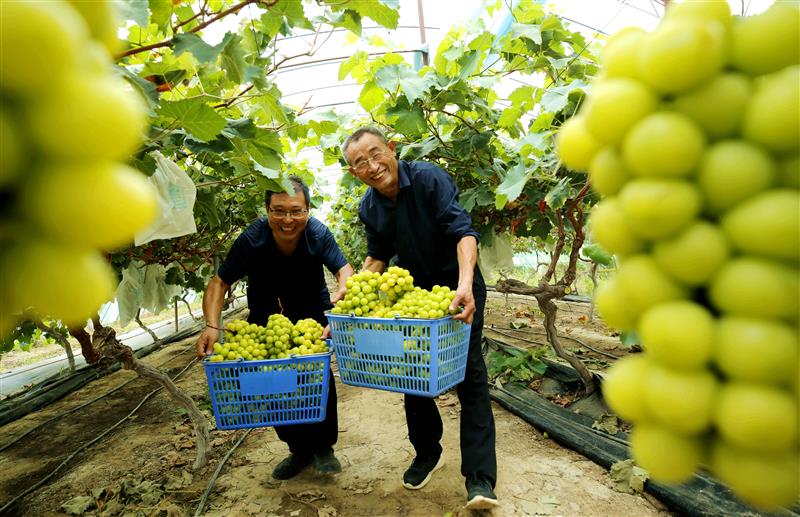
(212,326)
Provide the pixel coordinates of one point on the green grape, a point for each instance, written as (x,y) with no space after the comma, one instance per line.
(693,255)
(757,418)
(658,208)
(678,334)
(615,106)
(766,224)
(34,277)
(681,54)
(99,204)
(39,43)
(576,144)
(663,144)
(731,171)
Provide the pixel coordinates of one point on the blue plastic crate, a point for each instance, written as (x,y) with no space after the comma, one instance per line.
(416,356)
(269,392)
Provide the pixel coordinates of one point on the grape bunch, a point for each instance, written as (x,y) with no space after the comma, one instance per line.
(691,136)
(278,340)
(67,125)
(393,294)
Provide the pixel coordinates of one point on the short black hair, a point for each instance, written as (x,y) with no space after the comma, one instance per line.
(299,186)
(356,135)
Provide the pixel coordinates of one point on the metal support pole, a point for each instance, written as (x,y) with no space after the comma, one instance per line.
(176,314)
(422,33)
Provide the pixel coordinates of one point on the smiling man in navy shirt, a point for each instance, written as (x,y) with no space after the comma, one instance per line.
(411,211)
(282,257)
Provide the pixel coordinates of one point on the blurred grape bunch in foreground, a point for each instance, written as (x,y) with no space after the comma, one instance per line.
(691,136)
(67,125)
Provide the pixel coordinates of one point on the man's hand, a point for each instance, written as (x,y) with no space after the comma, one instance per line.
(326,332)
(205,343)
(464,297)
(338,295)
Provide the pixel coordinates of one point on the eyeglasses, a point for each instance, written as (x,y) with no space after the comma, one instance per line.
(362,166)
(294,214)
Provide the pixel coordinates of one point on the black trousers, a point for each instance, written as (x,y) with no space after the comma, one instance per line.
(307,439)
(478,455)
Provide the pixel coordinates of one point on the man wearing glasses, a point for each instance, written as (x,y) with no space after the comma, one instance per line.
(411,212)
(282,256)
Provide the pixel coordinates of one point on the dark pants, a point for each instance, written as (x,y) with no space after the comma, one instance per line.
(478,455)
(307,439)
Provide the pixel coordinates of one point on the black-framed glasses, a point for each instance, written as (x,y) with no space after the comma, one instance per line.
(298,213)
(363,165)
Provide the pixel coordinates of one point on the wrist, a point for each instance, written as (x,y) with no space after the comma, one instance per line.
(209,325)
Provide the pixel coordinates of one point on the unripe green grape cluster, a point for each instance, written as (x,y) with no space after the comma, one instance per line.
(393,294)
(279,339)
(691,135)
(67,125)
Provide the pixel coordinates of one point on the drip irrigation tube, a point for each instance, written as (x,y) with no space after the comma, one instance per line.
(49,391)
(213,479)
(88,444)
(76,408)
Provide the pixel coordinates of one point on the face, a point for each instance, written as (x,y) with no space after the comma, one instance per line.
(374,163)
(287,215)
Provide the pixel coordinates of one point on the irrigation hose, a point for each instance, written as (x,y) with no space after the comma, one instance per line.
(213,479)
(42,481)
(589,347)
(76,408)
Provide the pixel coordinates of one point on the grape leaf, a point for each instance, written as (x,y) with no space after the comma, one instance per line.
(555,99)
(199,119)
(202,51)
(398,76)
(512,185)
(381,11)
(134,10)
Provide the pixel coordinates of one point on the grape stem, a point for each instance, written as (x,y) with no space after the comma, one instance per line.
(169,42)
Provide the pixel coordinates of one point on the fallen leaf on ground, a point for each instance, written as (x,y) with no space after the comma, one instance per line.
(327,511)
(628,478)
(310,496)
(549,499)
(607,423)
(78,505)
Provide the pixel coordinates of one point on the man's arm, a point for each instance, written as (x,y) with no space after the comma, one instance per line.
(373,264)
(342,275)
(467,251)
(212,308)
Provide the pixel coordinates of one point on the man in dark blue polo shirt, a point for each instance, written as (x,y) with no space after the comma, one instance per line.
(282,257)
(411,211)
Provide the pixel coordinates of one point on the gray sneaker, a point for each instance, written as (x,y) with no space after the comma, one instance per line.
(291,466)
(480,495)
(326,463)
(421,471)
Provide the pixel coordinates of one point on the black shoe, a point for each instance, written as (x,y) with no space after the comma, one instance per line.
(326,463)
(291,466)
(421,470)
(480,495)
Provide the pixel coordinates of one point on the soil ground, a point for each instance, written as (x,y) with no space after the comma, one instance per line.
(146,461)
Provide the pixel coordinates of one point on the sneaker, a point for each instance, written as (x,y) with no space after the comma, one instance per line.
(480,495)
(291,466)
(420,471)
(326,463)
